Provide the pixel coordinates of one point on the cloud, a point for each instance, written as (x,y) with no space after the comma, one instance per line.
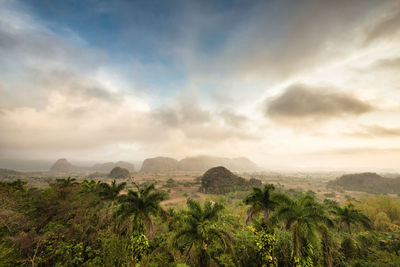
(300,101)
(261,44)
(386,28)
(388,63)
(283,37)
(232,118)
(76,120)
(183,110)
(55,94)
(24,42)
(193,121)
(36,60)
(81,107)
(60,93)
(375,131)
(79,117)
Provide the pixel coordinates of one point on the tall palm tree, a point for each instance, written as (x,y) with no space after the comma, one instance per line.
(304,218)
(200,229)
(327,245)
(111,192)
(140,205)
(260,200)
(349,216)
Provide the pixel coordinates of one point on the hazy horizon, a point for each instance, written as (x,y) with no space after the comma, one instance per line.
(296,85)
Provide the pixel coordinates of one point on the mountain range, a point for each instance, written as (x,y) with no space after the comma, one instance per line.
(64,166)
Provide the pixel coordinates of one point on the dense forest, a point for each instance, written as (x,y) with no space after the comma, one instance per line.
(101,224)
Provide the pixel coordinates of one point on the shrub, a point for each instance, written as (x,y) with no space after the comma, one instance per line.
(119,173)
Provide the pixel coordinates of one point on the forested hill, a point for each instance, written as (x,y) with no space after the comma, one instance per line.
(367,182)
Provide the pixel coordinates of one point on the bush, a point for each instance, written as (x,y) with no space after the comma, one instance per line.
(119,173)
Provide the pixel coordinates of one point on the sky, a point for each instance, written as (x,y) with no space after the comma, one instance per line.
(300,85)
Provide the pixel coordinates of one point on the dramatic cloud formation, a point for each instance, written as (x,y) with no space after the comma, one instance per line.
(300,101)
(121,80)
(311,33)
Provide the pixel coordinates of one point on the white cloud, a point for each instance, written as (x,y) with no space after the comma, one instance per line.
(59,97)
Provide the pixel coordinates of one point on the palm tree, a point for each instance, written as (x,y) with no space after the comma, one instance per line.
(140,205)
(200,229)
(89,186)
(304,218)
(348,216)
(260,200)
(64,186)
(111,192)
(327,245)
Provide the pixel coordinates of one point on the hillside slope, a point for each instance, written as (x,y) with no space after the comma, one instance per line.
(367,182)
(159,164)
(220,180)
(108,166)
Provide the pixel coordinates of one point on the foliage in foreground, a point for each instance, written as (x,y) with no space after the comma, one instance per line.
(98,224)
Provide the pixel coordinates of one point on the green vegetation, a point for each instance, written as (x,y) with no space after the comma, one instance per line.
(6,173)
(202,230)
(348,216)
(171,183)
(140,204)
(330,195)
(366,182)
(99,224)
(119,173)
(261,200)
(219,180)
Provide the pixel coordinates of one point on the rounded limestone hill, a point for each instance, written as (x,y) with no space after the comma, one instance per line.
(62,165)
(159,164)
(220,180)
(108,166)
(119,173)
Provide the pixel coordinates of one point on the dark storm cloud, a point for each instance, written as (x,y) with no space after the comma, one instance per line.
(301,101)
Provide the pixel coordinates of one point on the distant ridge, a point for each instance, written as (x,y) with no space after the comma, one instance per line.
(65,167)
(159,164)
(197,163)
(367,182)
(203,163)
(108,166)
